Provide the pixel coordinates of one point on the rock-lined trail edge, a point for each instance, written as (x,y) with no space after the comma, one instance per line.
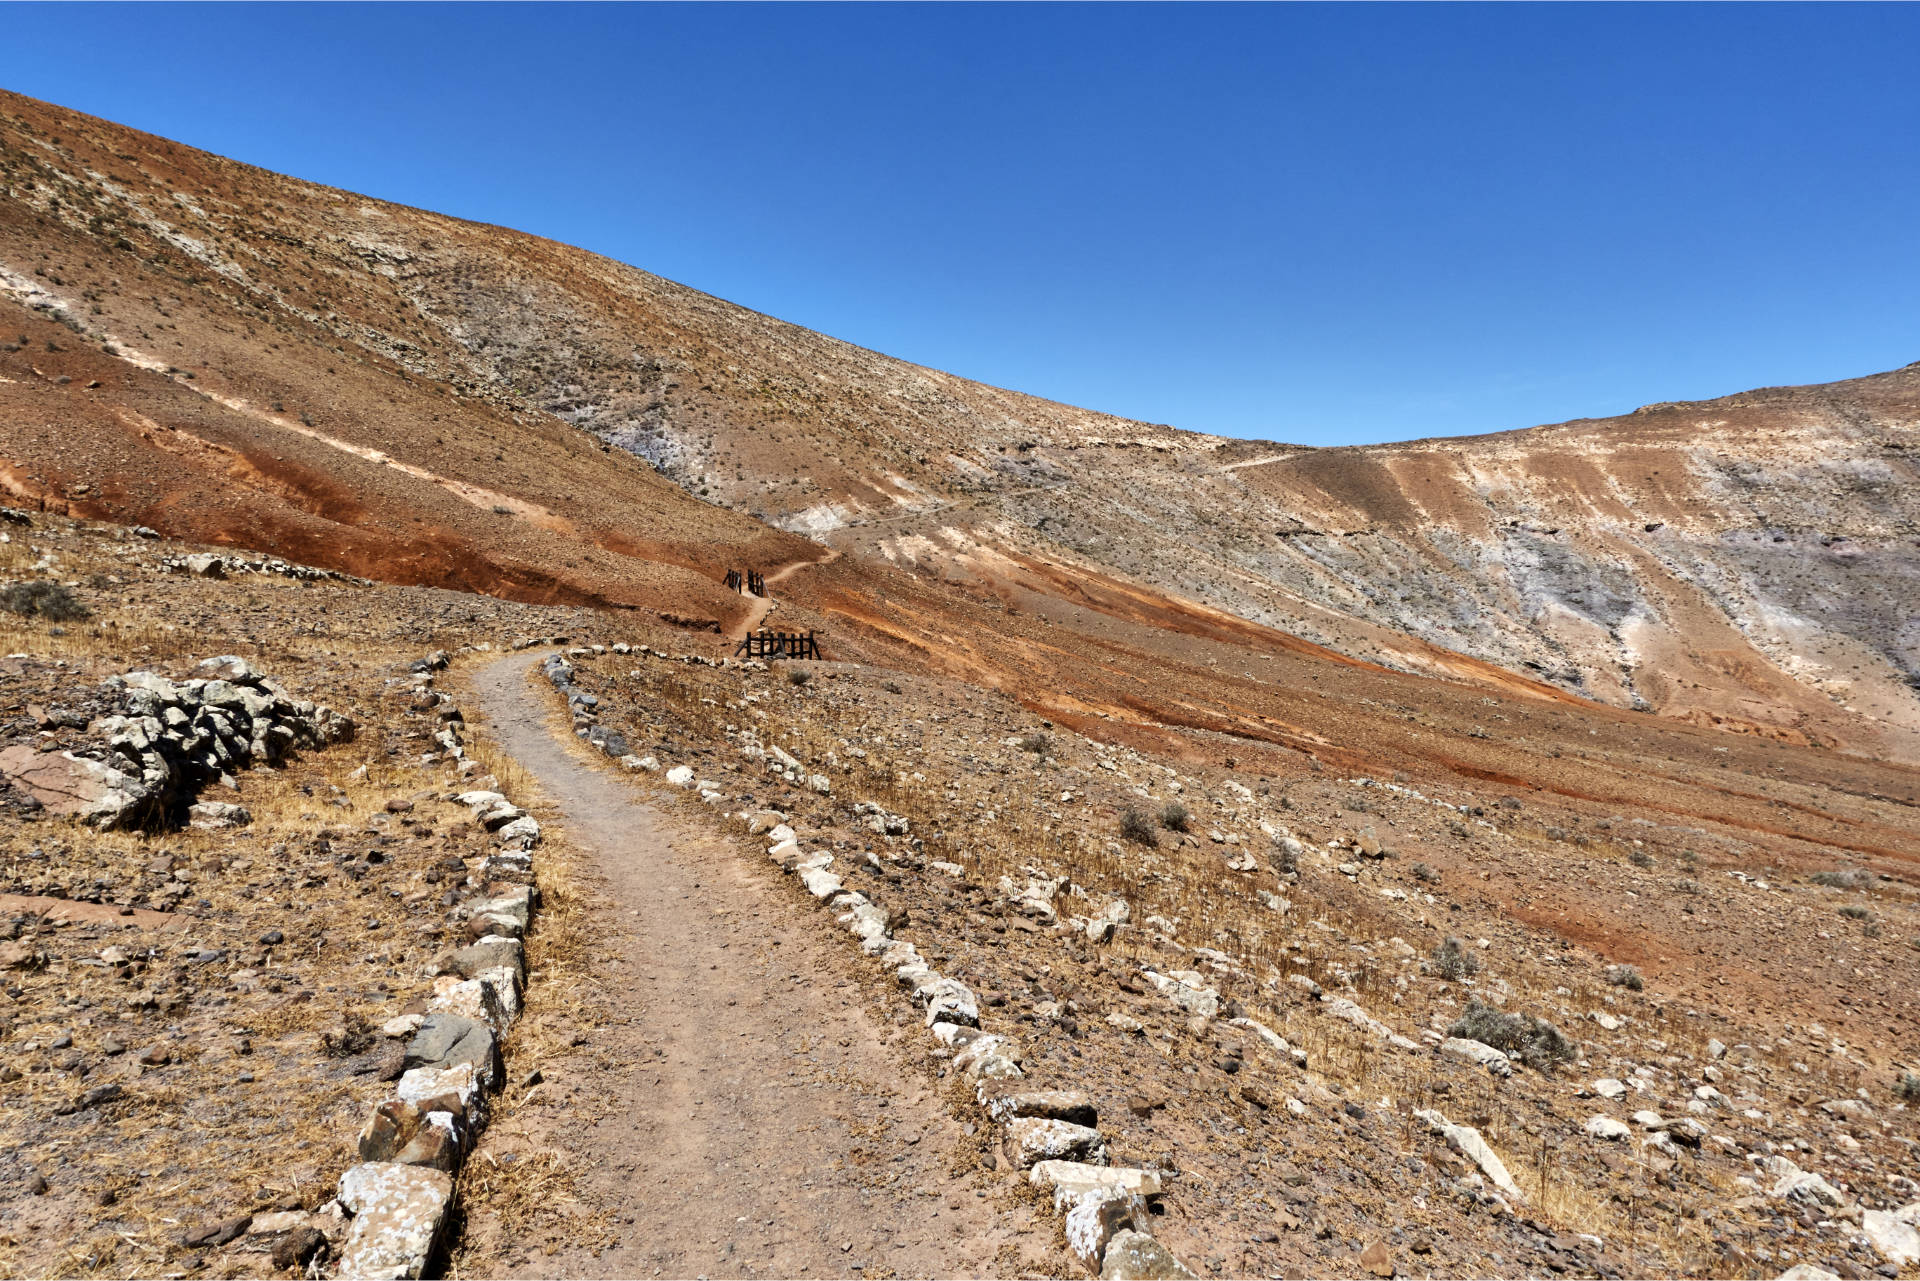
(761,1123)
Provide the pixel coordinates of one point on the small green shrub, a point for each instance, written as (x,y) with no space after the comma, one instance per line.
(1174,817)
(1625,976)
(39,598)
(798,676)
(1908,1088)
(1847,878)
(1854,912)
(1285,861)
(1640,858)
(1453,962)
(1138,828)
(1520,1036)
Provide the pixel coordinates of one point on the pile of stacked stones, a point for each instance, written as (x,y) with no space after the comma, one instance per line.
(215,565)
(414,1141)
(166,739)
(1053,1134)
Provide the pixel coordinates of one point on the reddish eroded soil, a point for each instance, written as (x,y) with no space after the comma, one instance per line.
(745,1107)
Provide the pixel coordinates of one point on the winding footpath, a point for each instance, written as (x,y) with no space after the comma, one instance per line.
(751,1114)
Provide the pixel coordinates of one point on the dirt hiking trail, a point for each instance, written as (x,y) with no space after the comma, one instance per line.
(758,607)
(751,1111)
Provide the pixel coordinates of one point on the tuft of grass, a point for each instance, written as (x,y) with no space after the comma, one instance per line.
(797,676)
(1854,912)
(1421,872)
(1625,976)
(1453,962)
(1640,858)
(39,598)
(1525,1037)
(1846,878)
(1285,861)
(1174,817)
(1907,1088)
(1037,743)
(1138,828)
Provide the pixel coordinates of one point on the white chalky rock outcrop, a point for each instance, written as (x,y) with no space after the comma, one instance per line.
(1186,989)
(1467,1141)
(1608,1088)
(681,776)
(1898,1242)
(1795,1184)
(398,1212)
(1268,1037)
(1478,1052)
(1346,1011)
(1605,1127)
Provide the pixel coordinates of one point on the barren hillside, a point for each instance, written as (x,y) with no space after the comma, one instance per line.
(1282,831)
(436,401)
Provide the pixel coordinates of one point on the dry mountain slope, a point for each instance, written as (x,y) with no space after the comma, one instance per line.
(1738,562)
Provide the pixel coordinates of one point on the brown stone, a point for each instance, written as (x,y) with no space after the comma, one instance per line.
(217,1233)
(1377,1259)
(295,1249)
(67,784)
(21,956)
(389,1130)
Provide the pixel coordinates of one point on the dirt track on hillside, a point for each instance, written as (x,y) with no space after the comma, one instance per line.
(760,1120)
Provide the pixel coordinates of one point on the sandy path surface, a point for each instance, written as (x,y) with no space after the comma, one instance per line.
(762,1117)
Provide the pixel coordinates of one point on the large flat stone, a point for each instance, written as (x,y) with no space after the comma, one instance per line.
(445,1040)
(398,1213)
(73,785)
(1070,1180)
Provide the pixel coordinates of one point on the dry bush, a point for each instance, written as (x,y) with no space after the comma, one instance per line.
(1138,828)
(42,598)
(1530,1039)
(1625,976)
(1453,962)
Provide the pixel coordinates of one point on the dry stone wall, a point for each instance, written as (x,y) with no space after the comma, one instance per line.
(162,741)
(394,1205)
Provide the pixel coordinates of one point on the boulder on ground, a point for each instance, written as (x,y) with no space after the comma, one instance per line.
(398,1213)
(1135,1256)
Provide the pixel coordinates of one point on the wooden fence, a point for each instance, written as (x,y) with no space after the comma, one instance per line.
(779,645)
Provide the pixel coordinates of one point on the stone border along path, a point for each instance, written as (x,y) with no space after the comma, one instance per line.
(396,1201)
(1051,1133)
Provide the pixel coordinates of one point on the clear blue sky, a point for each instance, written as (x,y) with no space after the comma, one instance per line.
(1325,225)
